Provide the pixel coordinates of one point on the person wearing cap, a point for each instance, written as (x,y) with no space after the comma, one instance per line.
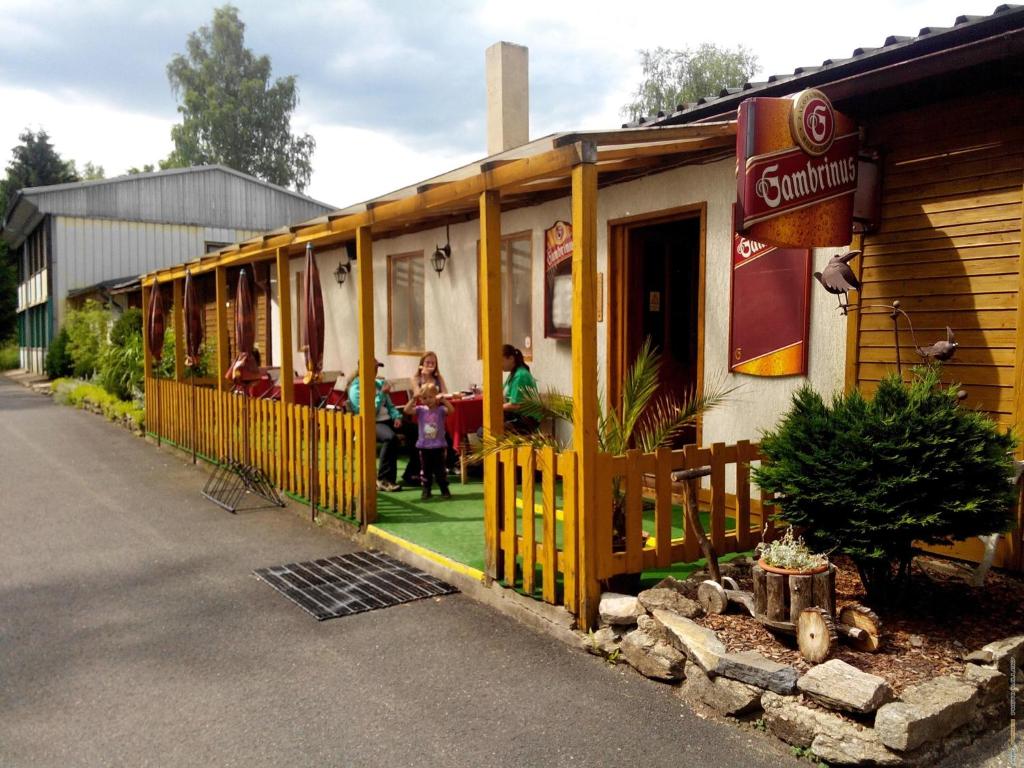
(389,419)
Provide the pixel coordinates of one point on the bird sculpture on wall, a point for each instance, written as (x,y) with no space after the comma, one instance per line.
(940,350)
(838,278)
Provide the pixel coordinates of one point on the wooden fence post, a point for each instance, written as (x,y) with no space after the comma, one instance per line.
(367,378)
(490,329)
(584,369)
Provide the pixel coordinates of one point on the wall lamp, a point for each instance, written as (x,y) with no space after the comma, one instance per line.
(345,263)
(441,255)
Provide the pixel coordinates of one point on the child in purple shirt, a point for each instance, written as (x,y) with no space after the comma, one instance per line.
(431,411)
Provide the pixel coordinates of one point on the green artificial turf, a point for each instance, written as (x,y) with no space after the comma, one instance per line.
(455,527)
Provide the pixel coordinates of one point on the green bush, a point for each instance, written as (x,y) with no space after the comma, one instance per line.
(87,336)
(82,394)
(58,362)
(870,478)
(127,325)
(9,357)
(121,367)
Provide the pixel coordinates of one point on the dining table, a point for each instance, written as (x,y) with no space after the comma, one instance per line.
(466,418)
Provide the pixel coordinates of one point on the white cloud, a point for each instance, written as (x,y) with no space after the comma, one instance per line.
(84,130)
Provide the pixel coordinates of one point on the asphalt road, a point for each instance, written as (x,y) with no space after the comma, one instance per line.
(133,633)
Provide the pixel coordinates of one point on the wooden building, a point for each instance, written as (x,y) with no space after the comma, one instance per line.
(651,209)
(82,240)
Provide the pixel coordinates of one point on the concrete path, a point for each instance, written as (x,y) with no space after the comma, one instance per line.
(133,634)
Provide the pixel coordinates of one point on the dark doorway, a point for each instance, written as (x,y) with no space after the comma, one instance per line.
(656,292)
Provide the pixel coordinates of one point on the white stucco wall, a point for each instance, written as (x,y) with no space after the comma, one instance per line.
(451,303)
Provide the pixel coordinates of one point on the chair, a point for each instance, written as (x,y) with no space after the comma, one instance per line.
(401,391)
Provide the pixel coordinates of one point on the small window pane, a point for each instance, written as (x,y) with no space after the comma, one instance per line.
(406,306)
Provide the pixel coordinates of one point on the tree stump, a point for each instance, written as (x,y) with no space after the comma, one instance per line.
(782,597)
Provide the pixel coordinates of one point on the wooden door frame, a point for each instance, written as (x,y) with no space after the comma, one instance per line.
(618,248)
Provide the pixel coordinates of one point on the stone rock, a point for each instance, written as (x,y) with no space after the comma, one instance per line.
(839,685)
(927,712)
(686,588)
(605,641)
(754,669)
(993,686)
(916,641)
(619,610)
(700,644)
(650,652)
(979,657)
(833,739)
(1004,650)
(670,600)
(728,697)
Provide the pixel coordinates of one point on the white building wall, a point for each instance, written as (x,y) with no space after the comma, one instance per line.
(451,302)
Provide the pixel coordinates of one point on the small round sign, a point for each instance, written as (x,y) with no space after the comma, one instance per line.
(813,122)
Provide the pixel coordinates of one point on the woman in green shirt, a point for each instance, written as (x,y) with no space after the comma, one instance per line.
(519,383)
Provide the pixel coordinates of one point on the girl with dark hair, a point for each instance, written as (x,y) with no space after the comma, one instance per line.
(518,385)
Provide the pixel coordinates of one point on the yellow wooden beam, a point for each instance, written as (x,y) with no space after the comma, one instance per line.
(655,133)
(665,148)
(221,293)
(584,382)
(367,377)
(428,202)
(490,344)
(179,331)
(284,304)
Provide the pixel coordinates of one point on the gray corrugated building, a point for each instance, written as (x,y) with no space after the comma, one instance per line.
(80,240)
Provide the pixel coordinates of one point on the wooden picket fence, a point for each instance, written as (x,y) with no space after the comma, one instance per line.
(226,425)
(539,525)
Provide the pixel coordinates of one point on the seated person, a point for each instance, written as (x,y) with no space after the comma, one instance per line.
(518,385)
(388,419)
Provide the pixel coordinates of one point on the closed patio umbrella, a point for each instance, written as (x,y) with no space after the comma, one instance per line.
(193,315)
(244,367)
(155,329)
(312,339)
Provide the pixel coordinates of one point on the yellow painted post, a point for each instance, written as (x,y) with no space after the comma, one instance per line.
(584,372)
(221,297)
(179,330)
(147,363)
(284,305)
(490,344)
(367,377)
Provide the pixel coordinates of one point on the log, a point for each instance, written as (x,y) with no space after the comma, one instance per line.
(815,634)
(861,626)
(739,597)
(825,590)
(712,598)
(760,591)
(801,595)
(777,597)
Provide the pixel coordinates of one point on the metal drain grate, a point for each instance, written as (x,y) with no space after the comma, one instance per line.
(347,584)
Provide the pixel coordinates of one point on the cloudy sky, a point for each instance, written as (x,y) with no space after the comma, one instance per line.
(393,91)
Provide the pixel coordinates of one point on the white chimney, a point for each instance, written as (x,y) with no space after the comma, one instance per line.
(508,97)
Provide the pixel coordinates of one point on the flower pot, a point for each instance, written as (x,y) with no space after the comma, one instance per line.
(791,571)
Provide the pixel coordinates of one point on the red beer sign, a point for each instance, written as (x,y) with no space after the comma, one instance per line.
(797,171)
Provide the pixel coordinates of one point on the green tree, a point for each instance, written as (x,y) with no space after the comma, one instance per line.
(91,172)
(674,77)
(135,170)
(232,112)
(34,163)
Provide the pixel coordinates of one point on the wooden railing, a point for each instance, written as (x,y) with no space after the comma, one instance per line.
(224,425)
(639,482)
(539,525)
(537,502)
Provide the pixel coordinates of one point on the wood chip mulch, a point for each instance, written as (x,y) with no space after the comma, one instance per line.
(927,635)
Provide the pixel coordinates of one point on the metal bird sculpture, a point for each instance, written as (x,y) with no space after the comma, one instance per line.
(838,278)
(940,350)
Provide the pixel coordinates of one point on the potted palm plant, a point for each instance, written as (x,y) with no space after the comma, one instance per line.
(644,418)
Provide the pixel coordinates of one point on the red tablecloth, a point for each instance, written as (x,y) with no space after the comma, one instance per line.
(467,416)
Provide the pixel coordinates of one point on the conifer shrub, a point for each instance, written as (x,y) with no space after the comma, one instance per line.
(58,363)
(869,478)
